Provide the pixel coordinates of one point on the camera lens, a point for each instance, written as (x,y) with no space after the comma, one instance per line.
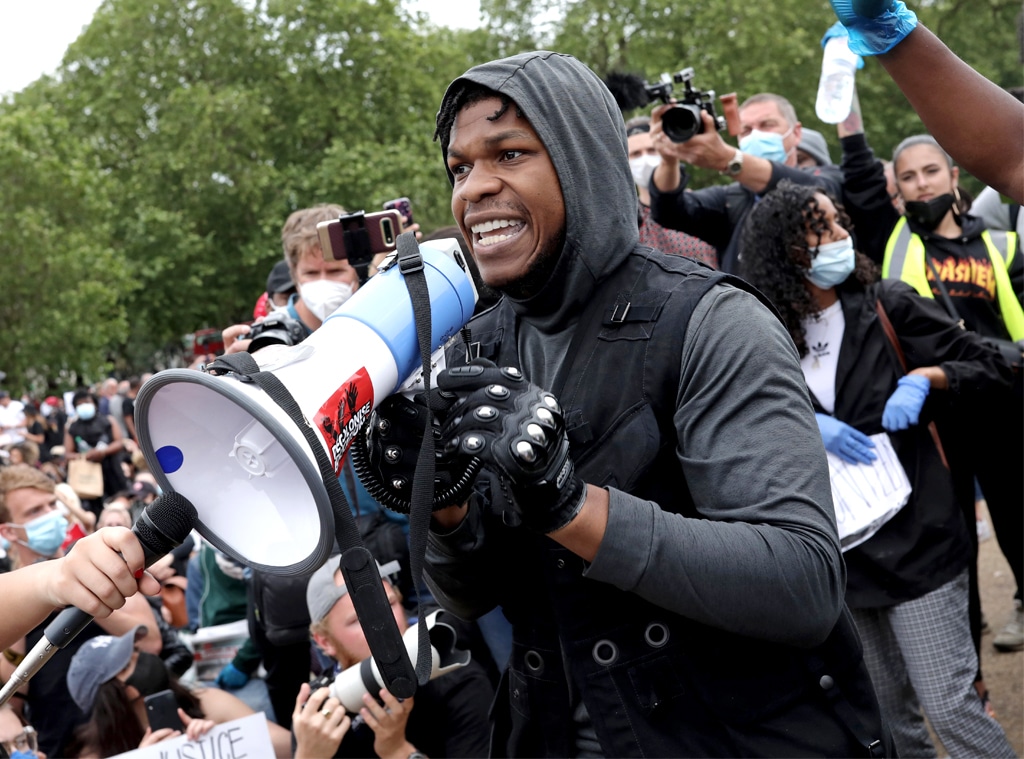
(682,122)
(276,329)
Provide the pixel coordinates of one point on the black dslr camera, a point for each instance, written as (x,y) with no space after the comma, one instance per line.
(683,120)
(276,329)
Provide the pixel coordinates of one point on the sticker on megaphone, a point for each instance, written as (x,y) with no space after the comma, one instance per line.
(227,446)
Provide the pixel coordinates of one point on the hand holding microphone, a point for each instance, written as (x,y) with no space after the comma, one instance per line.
(162,526)
(100,573)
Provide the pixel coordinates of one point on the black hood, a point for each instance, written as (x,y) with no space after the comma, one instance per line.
(581,127)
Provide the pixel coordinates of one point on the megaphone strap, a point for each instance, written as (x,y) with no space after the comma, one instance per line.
(410,263)
(357,565)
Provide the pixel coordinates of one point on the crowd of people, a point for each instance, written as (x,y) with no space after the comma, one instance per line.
(678,563)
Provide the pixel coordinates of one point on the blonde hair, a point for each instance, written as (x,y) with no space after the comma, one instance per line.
(16,477)
(299,235)
(112,510)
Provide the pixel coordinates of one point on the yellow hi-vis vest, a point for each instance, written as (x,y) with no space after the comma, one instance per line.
(904,259)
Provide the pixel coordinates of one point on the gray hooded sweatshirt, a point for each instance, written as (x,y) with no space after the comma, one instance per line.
(763,559)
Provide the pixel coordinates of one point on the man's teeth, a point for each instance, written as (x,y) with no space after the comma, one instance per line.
(489,226)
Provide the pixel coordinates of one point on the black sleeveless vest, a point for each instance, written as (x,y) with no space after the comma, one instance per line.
(654,683)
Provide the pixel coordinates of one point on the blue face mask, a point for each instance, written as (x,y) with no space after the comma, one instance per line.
(86,411)
(767,145)
(46,533)
(24,755)
(832,263)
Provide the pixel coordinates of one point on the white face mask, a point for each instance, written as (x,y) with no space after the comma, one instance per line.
(324,296)
(642,168)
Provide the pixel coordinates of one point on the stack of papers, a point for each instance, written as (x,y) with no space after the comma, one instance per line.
(866,496)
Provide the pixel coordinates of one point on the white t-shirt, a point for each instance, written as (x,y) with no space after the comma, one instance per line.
(12,421)
(824,334)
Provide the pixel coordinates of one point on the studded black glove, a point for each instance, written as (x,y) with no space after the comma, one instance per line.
(519,431)
(385,452)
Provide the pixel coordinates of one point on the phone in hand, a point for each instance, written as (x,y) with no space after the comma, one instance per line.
(359,236)
(404,207)
(162,711)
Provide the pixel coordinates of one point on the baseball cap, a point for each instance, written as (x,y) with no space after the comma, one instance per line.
(99,660)
(52,400)
(280,279)
(813,143)
(322,593)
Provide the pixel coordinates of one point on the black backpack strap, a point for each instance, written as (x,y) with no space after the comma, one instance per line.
(357,564)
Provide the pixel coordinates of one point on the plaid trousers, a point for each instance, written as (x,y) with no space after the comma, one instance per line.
(921,658)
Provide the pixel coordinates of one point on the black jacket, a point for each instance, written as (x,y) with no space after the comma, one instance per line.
(925,545)
(715,214)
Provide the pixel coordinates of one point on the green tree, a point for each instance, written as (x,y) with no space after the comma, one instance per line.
(214,122)
(63,280)
(747,48)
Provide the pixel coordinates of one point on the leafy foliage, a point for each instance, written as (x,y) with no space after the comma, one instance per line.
(146,183)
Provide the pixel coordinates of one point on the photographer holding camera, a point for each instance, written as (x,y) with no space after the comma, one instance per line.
(321,286)
(447,718)
(769,136)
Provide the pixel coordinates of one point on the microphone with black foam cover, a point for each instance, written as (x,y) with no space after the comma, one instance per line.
(163,526)
(628,89)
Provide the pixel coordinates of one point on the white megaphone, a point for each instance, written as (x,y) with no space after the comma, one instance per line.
(351,684)
(232,451)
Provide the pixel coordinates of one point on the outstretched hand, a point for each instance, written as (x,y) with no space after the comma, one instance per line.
(851,11)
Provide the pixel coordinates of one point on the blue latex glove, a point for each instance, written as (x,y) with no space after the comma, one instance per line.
(904,405)
(838,30)
(846,442)
(231,678)
(875,26)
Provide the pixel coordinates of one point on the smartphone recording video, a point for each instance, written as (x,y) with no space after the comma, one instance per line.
(359,236)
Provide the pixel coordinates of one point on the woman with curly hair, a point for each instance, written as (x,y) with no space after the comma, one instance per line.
(907,583)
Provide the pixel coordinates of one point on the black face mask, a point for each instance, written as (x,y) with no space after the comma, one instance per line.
(150,675)
(928,213)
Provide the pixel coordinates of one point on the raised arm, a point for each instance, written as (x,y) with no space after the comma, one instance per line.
(916,60)
(980,107)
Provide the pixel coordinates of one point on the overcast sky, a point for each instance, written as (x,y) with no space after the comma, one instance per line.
(35,33)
